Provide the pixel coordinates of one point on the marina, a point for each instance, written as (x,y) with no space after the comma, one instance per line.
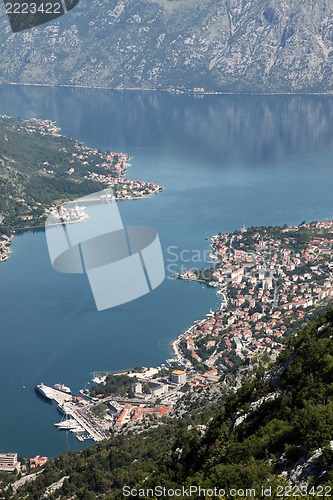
(85,422)
(69,425)
(75,418)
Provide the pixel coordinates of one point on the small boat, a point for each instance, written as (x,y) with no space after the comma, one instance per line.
(67,424)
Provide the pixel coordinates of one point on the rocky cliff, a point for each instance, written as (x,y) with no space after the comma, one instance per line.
(228,45)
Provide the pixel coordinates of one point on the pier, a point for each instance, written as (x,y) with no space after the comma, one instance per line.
(71,409)
(84,421)
(58,396)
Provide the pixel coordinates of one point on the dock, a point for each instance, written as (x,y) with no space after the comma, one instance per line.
(72,410)
(58,396)
(95,433)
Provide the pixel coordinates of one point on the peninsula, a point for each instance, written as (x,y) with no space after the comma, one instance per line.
(40,169)
(270,280)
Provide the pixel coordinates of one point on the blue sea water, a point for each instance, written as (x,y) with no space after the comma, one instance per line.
(224,161)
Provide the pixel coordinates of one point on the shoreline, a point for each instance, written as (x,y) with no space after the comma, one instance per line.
(180,357)
(12,230)
(56,223)
(168,90)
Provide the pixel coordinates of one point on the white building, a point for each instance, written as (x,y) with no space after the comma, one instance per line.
(178,377)
(158,389)
(137,388)
(8,462)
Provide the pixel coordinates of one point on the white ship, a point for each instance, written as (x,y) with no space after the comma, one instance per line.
(44,391)
(78,429)
(62,388)
(61,408)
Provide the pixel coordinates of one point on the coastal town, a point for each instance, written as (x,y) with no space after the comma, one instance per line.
(270,280)
(108,167)
(74,163)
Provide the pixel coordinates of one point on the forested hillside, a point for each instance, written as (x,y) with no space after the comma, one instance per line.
(34,163)
(274,431)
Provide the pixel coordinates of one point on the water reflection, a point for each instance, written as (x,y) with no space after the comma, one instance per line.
(230,128)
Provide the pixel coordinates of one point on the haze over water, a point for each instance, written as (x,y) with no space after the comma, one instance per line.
(224,161)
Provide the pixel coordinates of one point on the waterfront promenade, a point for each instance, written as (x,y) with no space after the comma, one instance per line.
(84,421)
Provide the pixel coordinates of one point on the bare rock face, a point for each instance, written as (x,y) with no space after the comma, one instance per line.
(228,45)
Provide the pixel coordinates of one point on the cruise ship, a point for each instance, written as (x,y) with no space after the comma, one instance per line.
(62,388)
(43,390)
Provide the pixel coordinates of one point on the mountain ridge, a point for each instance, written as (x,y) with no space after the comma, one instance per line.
(230,46)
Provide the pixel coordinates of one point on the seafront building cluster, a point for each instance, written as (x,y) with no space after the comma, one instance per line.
(5,250)
(269,279)
(162,391)
(9,463)
(78,163)
(111,170)
(129,189)
(97,416)
(68,215)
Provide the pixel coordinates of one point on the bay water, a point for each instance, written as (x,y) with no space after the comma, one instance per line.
(223,160)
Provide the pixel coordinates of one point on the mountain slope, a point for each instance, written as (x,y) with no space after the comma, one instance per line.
(40,167)
(275,430)
(34,163)
(279,425)
(229,45)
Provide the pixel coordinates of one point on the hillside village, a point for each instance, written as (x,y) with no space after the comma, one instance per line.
(270,280)
(66,166)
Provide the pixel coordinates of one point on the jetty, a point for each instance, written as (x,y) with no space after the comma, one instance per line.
(68,405)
